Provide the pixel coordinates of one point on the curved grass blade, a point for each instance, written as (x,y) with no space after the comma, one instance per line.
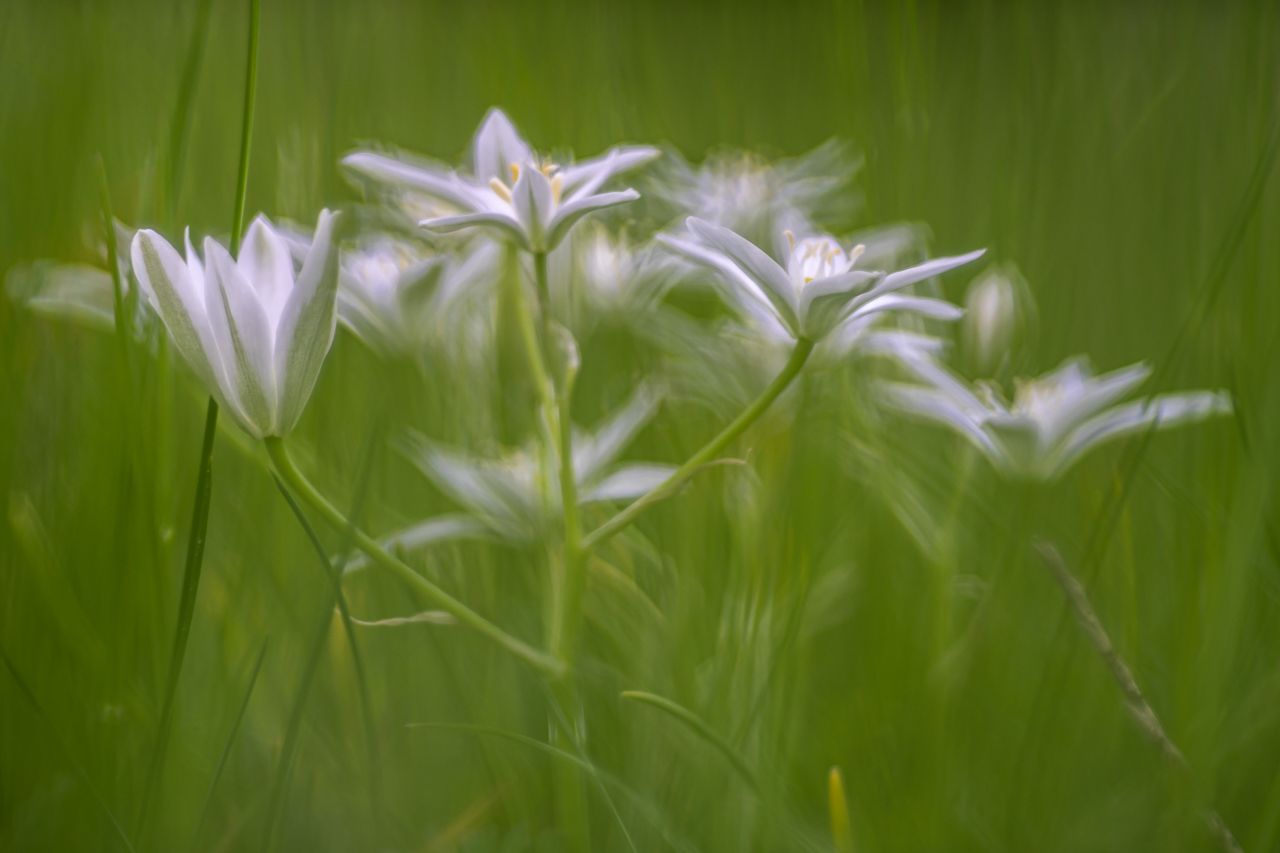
(700,728)
(563,722)
(578,761)
(66,748)
(231,738)
(334,573)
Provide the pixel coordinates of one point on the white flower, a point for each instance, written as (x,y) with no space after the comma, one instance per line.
(532,203)
(392,294)
(1054,419)
(255,334)
(615,275)
(756,198)
(818,290)
(79,292)
(513,499)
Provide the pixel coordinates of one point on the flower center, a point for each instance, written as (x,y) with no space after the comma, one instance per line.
(818,258)
(548,169)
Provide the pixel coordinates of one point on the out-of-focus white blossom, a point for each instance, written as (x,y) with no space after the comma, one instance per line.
(512,496)
(393,293)
(759,199)
(81,293)
(511,192)
(1053,419)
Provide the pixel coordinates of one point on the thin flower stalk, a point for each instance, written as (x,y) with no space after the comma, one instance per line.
(540,661)
(708,454)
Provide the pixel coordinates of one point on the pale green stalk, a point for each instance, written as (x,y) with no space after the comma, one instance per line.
(708,454)
(570,800)
(544,663)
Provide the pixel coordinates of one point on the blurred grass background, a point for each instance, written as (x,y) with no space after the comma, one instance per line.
(1119,153)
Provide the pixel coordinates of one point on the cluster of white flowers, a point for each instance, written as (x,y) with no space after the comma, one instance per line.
(419,261)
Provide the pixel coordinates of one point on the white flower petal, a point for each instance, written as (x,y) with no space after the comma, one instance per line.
(506,225)
(167,281)
(591,453)
(902,278)
(440,528)
(194,265)
(630,481)
(532,200)
(497,145)
(582,179)
(267,265)
(1082,396)
(936,309)
(1162,412)
(433,179)
(742,290)
(244,337)
(931,404)
(568,214)
(490,492)
(771,278)
(307,326)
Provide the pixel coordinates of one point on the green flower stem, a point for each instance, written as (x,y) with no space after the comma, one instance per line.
(540,661)
(572,815)
(544,296)
(707,454)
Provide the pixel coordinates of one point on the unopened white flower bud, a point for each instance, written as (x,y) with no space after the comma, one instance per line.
(998,315)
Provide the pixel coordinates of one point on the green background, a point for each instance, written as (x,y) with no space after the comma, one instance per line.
(1119,153)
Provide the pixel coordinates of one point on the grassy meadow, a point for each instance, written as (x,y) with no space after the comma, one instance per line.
(863,593)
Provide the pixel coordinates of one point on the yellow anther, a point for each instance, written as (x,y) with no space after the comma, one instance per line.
(808,279)
(515,172)
(549,168)
(791,238)
(500,188)
(856,252)
(557,185)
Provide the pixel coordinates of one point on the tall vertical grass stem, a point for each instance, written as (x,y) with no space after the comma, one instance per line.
(204,481)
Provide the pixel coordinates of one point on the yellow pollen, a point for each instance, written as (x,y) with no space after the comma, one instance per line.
(808,279)
(515,173)
(557,185)
(500,188)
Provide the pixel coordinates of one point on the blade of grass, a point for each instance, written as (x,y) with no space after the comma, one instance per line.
(1134,701)
(204,482)
(226,748)
(66,748)
(334,573)
(180,128)
(700,727)
(564,755)
(284,770)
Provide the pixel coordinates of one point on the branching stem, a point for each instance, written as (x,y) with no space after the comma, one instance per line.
(708,454)
(302,487)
